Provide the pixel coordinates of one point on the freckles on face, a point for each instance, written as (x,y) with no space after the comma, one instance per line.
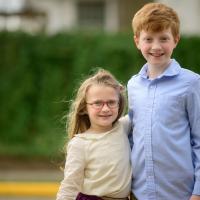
(158,47)
(160,38)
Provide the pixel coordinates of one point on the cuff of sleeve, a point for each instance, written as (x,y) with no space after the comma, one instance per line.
(196,190)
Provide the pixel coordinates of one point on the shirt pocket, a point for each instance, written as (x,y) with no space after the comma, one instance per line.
(169,109)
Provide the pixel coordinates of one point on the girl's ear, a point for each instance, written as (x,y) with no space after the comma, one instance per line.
(83,112)
(136,41)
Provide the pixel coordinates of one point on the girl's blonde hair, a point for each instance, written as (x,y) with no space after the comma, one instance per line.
(77,119)
(156,17)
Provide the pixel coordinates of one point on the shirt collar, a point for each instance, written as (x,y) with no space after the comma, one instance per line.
(172,70)
(97,136)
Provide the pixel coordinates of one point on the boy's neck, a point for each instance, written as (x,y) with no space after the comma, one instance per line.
(154,71)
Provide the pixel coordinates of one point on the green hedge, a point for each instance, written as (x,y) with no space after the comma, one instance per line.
(39,73)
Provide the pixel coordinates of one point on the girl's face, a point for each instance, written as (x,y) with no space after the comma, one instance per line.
(102,105)
(157,48)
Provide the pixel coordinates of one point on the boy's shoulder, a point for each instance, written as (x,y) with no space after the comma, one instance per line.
(188,77)
(134,77)
(189,73)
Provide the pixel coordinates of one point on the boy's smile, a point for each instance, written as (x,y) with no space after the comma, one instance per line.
(156,48)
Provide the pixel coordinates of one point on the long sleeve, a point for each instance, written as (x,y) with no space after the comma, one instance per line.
(73,172)
(166,135)
(193,109)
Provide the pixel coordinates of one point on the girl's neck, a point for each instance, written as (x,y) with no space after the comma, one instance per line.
(99,130)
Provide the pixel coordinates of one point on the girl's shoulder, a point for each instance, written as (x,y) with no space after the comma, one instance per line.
(125,120)
(76,142)
(126,123)
(78,139)
(89,136)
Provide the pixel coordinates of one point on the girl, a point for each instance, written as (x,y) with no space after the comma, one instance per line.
(97,164)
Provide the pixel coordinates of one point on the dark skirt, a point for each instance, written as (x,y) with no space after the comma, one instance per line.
(82,196)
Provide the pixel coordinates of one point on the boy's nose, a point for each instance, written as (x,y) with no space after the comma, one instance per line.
(156,45)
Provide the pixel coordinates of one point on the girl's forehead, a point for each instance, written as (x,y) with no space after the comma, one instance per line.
(100,86)
(101,91)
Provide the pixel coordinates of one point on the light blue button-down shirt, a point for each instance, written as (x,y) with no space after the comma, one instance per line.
(166,135)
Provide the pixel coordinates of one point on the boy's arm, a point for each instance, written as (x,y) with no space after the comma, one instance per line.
(193,109)
(130,135)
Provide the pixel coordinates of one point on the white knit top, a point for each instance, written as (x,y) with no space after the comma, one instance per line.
(98,164)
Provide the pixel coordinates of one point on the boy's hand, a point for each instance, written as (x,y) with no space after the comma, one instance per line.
(195,197)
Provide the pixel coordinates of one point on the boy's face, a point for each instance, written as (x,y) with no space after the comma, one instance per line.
(156,48)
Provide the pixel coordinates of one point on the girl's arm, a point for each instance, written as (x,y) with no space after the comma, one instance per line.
(73,172)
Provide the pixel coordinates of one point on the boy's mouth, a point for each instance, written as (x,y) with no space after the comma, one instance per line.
(156,54)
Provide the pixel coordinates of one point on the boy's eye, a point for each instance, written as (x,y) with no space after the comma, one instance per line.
(163,39)
(148,39)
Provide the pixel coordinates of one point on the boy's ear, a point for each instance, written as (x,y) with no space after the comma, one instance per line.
(176,40)
(136,40)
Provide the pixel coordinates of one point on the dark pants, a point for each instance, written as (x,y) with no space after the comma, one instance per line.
(132,197)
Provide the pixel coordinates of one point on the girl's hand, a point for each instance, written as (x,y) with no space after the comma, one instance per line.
(195,197)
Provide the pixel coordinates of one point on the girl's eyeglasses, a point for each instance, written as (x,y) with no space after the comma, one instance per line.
(99,104)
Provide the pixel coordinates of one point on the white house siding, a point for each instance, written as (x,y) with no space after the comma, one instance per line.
(112,16)
(189,13)
(61,14)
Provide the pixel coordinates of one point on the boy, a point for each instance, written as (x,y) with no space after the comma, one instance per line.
(164,104)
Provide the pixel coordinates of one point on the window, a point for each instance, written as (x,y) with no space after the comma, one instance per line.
(91,14)
(11,6)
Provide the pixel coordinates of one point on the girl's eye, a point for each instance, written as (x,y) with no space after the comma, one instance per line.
(98,103)
(112,103)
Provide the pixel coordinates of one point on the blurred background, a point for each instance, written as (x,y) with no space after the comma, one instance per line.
(47,48)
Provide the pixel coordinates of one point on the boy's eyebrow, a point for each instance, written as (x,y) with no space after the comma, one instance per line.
(147,37)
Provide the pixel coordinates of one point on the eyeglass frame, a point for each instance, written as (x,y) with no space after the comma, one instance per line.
(103,103)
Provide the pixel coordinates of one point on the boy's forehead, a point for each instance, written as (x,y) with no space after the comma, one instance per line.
(149,31)
(156,27)
(158,32)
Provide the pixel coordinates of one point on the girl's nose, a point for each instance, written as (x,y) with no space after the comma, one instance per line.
(105,107)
